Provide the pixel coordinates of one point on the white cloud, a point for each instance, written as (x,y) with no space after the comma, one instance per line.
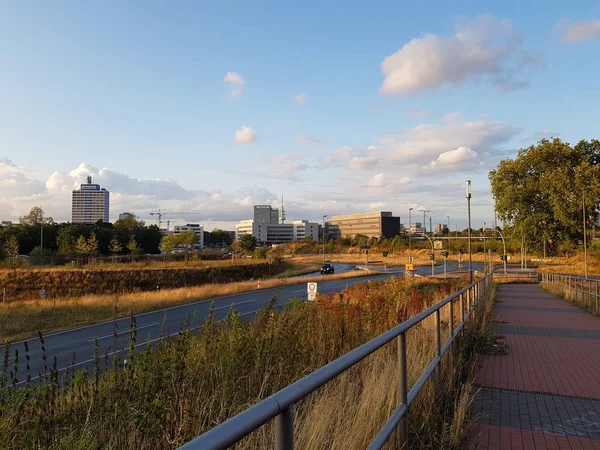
(361,163)
(236,83)
(308,141)
(577,31)
(451,117)
(377,180)
(484,48)
(376,205)
(300,98)
(245,135)
(454,158)
(338,156)
(418,113)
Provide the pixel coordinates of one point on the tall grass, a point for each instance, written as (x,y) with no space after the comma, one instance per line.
(191,382)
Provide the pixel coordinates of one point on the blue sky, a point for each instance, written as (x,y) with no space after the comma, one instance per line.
(398,104)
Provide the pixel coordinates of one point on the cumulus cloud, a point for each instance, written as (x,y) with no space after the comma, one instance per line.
(235,82)
(484,48)
(546,133)
(361,163)
(418,113)
(382,180)
(451,117)
(245,135)
(338,156)
(300,98)
(308,141)
(454,158)
(376,205)
(580,30)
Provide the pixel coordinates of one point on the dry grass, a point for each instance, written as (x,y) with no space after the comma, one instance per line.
(24,318)
(573,265)
(576,294)
(189,383)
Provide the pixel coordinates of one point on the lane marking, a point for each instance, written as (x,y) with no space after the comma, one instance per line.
(122,331)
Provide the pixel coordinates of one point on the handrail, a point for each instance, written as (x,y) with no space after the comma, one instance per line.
(280,404)
(579,285)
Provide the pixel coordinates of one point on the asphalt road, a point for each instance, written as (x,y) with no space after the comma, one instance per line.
(78,344)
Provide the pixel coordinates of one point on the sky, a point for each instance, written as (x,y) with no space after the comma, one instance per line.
(203,109)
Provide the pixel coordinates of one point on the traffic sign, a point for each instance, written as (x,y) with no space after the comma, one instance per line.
(311,289)
(438,245)
(410,267)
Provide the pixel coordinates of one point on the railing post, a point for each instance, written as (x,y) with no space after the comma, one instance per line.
(462,308)
(597,309)
(438,346)
(284,430)
(451,318)
(402,391)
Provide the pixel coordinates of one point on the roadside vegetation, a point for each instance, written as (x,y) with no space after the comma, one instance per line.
(188,383)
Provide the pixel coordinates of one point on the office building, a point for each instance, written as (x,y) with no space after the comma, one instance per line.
(196,228)
(417,227)
(90,203)
(6,223)
(371,224)
(277,233)
(266,214)
(441,228)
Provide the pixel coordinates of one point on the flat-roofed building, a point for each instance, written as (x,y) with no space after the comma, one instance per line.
(90,203)
(196,228)
(371,224)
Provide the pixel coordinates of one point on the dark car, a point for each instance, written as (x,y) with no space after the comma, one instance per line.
(327,268)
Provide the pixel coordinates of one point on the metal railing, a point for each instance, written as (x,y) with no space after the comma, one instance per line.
(525,276)
(279,406)
(582,290)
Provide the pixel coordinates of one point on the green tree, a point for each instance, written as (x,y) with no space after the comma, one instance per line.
(11,247)
(247,243)
(35,217)
(115,246)
(132,246)
(539,195)
(92,244)
(81,245)
(168,243)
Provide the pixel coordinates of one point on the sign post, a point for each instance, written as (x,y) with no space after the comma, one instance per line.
(311,289)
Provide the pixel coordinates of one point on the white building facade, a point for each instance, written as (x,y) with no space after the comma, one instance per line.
(90,204)
(196,228)
(278,233)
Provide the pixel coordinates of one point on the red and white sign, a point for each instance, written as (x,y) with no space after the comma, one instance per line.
(311,289)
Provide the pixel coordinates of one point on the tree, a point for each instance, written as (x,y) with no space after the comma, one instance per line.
(129,223)
(35,217)
(168,243)
(92,244)
(11,247)
(539,195)
(81,245)
(132,246)
(115,246)
(247,243)
(218,236)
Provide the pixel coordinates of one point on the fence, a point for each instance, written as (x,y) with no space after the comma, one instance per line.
(280,405)
(583,291)
(532,277)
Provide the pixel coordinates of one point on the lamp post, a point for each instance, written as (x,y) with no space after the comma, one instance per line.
(503,246)
(324,238)
(469,230)
(585,267)
(409,237)
(484,254)
(448,232)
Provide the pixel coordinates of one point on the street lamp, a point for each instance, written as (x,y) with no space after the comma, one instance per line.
(585,265)
(409,237)
(324,238)
(469,230)
(484,254)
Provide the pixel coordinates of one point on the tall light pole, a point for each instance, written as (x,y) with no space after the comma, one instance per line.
(484,253)
(324,238)
(469,230)
(448,232)
(409,237)
(585,267)
(503,245)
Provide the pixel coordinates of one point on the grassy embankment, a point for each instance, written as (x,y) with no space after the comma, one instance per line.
(24,318)
(191,382)
(574,265)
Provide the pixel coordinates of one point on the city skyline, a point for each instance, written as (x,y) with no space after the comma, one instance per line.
(238,107)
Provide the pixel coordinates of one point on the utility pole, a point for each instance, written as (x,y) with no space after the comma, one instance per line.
(585,266)
(424,220)
(469,230)
(484,253)
(324,238)
(409,237)
(430,229)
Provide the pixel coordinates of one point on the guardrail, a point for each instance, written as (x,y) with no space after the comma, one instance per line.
(279,406)
(583,290)
(530,276)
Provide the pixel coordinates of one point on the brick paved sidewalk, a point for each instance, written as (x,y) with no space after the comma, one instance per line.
(545,393)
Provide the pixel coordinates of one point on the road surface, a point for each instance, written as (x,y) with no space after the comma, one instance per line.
(78,343)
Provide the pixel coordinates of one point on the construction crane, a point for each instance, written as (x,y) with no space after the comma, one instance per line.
(424,223)
(160,215)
